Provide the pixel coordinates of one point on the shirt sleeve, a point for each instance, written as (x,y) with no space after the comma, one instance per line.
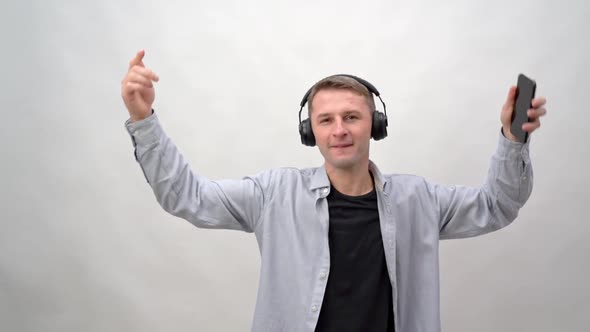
(225,204)
(466,211)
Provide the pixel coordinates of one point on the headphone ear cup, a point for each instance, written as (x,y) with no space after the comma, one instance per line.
(379,129)
(306,133)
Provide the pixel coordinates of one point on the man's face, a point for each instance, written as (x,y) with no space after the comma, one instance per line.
(341,123)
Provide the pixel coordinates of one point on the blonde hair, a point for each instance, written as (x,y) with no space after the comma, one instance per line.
(342,83)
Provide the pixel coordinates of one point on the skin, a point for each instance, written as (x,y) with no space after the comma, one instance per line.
(341,123)
(137,88)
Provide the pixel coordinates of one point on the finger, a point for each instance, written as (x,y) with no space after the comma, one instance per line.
(529,127)
(134,77)
(535,113)
(130,88)
(145,72)
(511,97)
(138,59)
(538,102)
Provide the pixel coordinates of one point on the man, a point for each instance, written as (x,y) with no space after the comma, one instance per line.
(343,247)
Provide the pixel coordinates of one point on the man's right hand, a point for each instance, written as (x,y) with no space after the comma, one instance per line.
(137,88)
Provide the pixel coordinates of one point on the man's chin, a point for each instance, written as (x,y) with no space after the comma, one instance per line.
(342,163)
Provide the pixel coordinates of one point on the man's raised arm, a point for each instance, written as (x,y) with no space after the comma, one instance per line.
(229,204)
(466,211)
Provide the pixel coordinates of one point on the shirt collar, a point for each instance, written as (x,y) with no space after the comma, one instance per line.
(319,178)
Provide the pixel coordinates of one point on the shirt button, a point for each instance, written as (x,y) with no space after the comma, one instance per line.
(314,308)
(323,275)
(524,178)
(325,191)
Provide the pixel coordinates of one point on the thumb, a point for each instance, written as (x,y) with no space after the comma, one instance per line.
(511,98)
(508,108)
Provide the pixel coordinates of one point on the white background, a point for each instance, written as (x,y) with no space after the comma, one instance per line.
(84,246)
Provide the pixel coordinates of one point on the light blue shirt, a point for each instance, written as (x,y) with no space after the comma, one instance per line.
(287,210)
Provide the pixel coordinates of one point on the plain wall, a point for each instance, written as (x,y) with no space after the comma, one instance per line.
(84,246)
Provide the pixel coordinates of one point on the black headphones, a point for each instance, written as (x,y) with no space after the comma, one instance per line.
(378,128)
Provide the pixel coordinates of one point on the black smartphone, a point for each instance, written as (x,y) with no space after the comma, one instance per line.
(525,92)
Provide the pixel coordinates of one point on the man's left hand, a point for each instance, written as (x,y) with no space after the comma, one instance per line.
(535,113)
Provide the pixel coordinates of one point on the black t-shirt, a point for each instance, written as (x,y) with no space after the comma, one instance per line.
(358,294)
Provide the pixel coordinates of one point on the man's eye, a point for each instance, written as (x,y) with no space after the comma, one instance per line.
(324,120)
(351,117)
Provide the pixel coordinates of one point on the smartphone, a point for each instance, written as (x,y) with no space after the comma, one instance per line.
(525,92)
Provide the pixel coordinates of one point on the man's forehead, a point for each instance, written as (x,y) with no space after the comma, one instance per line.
(338,101)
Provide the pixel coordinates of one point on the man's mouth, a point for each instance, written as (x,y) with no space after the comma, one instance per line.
(342,145)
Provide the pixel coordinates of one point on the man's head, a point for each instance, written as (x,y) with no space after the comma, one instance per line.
(340,82)
(340,110)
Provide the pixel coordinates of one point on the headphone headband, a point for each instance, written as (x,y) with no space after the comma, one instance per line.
(366,83)
(379,120)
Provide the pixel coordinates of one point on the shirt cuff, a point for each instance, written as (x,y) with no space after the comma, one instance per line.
(144,132)
(513,150)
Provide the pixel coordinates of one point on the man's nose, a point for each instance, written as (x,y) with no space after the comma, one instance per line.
(339,128)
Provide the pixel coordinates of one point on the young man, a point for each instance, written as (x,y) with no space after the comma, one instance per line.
(343,246)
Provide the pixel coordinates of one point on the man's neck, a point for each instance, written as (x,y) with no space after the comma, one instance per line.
(356,181)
